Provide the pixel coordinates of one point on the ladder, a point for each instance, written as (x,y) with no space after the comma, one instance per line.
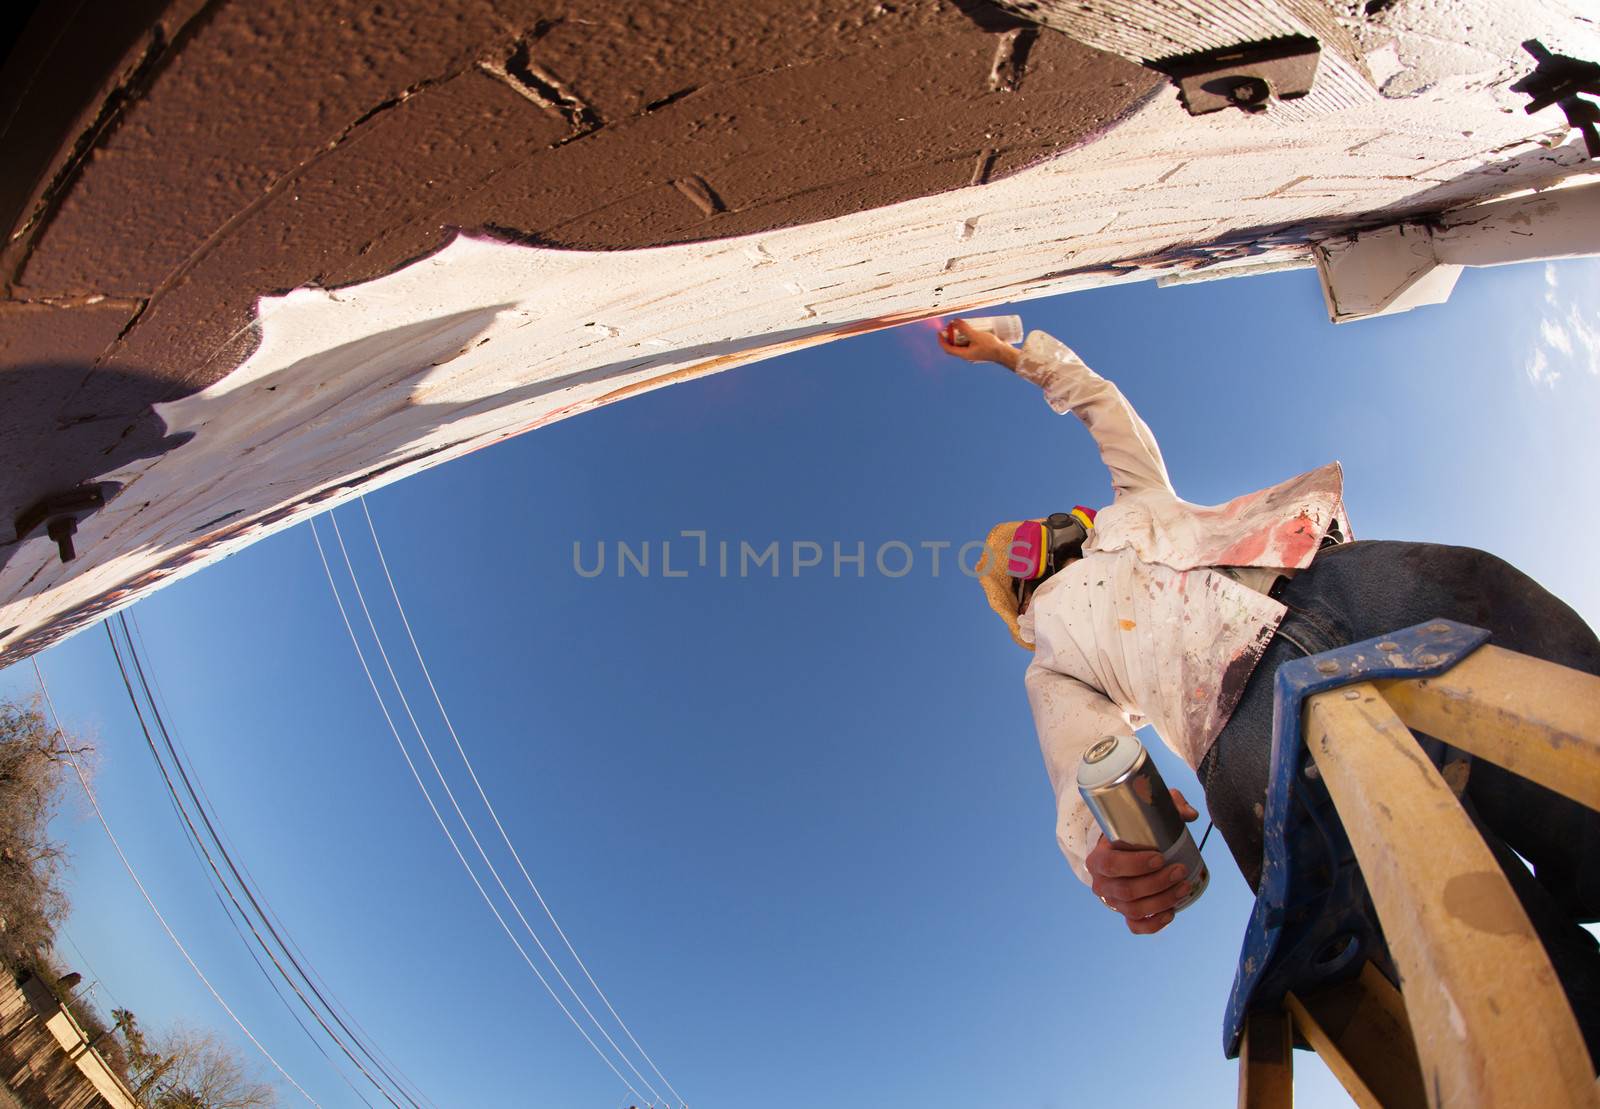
(1361,830)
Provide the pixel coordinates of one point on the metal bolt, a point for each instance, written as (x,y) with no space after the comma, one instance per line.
(61,529)
(1327,666)
(1312,772)
(1251,93)
(58,515)
(1387,645)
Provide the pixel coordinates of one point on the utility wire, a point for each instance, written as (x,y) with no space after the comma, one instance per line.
(494,871)
(276,989)
(233,915)
(216,893)
(219,885)
(229,912)
(340,1013)
(437,700)
(160,698)
(235,869)
(92,972)
(417,777)
(232,868)
(128,866)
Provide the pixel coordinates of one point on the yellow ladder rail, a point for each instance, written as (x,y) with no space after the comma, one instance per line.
(1480,1019)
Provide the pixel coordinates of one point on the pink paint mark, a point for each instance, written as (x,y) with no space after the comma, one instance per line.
(1298,543)
(921,347)
(1246,550)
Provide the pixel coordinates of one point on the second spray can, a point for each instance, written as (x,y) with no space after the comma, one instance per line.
(1122,787)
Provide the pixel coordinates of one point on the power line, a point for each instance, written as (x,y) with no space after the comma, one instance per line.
(92,972)
(411,765)
(437,700)
(494,871)
(219,885)
(194,846)
(229,914)
(234,915)
(258,901)
(233,869)
(277,991)
(128,866)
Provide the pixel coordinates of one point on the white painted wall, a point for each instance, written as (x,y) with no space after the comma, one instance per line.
(1393,269)
(486,340)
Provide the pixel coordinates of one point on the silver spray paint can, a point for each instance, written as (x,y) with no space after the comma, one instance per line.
(1008,329)
(1122,787)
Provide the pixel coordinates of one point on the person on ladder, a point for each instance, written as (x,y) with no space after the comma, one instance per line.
(1178,615)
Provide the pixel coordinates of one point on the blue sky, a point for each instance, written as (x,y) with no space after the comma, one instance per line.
(797,826)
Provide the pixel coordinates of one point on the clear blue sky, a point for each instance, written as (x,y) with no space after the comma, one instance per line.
(798,826)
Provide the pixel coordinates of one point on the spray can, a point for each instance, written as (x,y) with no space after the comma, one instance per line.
(1008,329)
(1122,787)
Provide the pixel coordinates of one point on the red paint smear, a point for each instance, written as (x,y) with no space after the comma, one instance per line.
(1299,542)
(1246,550)
(1290,542)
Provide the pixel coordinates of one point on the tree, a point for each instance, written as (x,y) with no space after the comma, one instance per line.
(185,1068)
(207,1073)
(146,1065)
(33,761)
(189,1069)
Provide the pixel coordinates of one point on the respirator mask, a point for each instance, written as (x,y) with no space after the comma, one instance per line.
(1041,547)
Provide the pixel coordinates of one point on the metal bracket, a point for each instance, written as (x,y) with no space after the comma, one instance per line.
(1249,76)
(1559,80)
(58,515)
(1313,923)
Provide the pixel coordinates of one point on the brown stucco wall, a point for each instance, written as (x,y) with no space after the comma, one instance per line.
(363,241)
(178,161)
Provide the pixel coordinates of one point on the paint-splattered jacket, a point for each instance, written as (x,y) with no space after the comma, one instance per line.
(1148,627)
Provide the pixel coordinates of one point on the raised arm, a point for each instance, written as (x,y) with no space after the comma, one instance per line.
(1126,445)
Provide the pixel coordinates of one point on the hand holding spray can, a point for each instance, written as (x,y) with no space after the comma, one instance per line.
(1008,329)
(1122,787)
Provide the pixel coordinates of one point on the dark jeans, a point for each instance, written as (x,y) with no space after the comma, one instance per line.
(1361,590)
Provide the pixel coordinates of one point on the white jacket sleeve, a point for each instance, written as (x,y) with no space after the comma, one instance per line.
(1126,444)
(1069,717)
